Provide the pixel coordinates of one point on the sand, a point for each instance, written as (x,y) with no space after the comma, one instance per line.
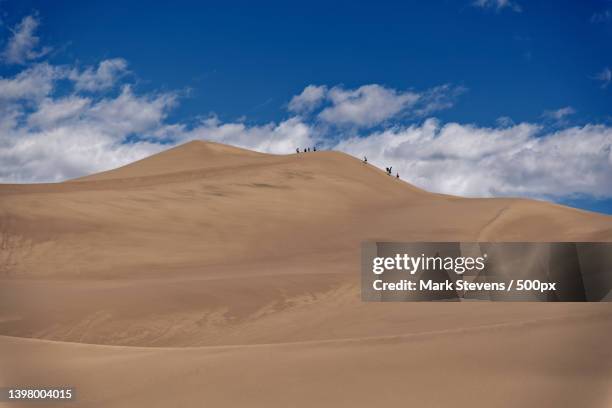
(209,275)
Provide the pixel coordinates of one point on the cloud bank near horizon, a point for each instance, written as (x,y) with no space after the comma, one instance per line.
(59,122)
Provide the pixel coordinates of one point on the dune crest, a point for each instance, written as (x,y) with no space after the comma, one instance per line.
(194,155)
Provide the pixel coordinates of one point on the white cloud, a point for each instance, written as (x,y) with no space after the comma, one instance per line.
(367,105)
(52,112)
(310,98)
(32,83)
(66,152)
(498,5)
(128,113)
(476,161)
(49,138)
(23,44)
(104,77)
(370,105)
(605,77)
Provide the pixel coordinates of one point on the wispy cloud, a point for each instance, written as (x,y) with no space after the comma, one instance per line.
(438,98)
(605,77)
(602,16)
(23,46)
(559,114)
(103,77)
(504,121)
(498,5)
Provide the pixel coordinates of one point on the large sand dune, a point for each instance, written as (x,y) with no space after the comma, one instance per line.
(214,276)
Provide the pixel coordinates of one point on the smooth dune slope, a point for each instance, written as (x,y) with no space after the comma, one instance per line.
(190,156)
(242,270)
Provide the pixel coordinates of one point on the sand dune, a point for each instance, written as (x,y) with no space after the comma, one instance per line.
(241,269)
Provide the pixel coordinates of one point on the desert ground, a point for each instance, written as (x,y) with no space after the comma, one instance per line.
(209,275)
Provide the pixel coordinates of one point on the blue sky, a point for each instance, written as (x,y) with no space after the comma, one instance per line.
(476,98)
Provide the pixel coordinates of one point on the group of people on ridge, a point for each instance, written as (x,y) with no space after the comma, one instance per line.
(388,169)
(306,149)
(389,172)
(365,159)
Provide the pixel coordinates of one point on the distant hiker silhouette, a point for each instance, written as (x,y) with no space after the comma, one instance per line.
(389,170)
(365,159)
(314,149)
(397,176)
(297,150)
